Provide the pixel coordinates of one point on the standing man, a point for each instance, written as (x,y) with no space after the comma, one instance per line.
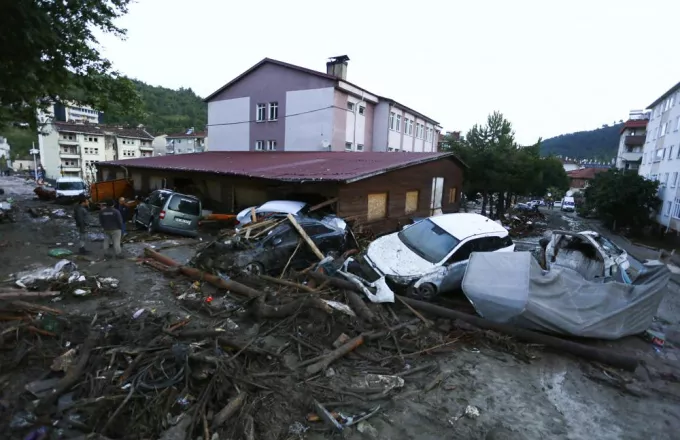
(112,223)
(124,212)
(80,215)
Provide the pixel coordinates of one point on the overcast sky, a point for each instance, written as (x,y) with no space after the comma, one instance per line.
(550,67)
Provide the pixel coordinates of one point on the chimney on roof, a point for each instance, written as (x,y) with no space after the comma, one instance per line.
(337,66)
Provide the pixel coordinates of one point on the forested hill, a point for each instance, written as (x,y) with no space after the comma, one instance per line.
(601,143)
(165,110)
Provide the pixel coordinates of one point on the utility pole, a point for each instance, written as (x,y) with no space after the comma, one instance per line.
(34,152)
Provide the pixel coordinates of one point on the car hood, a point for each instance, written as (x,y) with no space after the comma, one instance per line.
(392,257)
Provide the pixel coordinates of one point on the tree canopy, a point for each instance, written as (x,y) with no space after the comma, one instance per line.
(498,165)
(599,144)
(48,52)
(622,199)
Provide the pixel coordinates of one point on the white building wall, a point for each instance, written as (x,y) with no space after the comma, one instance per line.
(234,137)
(381,131)
(308,131)
(394,135)
(92,151)
(661,157)
(356,124)
(408,144)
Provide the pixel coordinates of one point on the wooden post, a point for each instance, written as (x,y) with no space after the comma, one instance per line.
(305,237)
(253,214)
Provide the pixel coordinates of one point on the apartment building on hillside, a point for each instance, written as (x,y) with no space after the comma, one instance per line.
(632,140)
(661,155)
(188,142)
(69,149)
(277,106)
(72,112)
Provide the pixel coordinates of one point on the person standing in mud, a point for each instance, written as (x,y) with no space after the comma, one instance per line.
(80,215)
(112,223)
(124,212)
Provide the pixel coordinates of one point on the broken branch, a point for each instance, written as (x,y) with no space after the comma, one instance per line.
(335,355)
(229,410)
(305,237)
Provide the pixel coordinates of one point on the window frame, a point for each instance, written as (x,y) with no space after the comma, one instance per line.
(350,106)
(360,147)
(349,146)
(271,145)
(260,108)
(259,145)
(398,128)
(273,111)
(391,120)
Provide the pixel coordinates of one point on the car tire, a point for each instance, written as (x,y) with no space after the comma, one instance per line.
(254,268)
(424,292)
(151,227)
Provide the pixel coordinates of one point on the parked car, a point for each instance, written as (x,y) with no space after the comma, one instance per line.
(273,207)
(537,202)
(168,211)
(271,254)
(526,207)
(70,187)
(430,256)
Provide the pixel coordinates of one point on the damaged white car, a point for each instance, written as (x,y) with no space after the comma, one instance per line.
(430,256)
(588,253)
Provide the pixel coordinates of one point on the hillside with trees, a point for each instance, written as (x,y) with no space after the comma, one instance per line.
(163,110)
(600,144)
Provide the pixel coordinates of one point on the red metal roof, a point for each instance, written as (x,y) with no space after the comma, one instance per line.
(635,123)
(287,166)
(585,173)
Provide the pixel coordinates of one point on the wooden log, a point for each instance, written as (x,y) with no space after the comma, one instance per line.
(199,275)
(335,355)
(360,307)
(609,357)
(288,283)
(30,307)
(229,410)
(263,310)
(334,281)
(7,294)
(253,215)
(305,237)
(323,204)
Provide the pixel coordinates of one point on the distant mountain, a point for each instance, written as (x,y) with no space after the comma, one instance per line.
(166,110)
(601,143)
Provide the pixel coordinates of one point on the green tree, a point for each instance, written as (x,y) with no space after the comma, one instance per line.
(48,52)
(622,200)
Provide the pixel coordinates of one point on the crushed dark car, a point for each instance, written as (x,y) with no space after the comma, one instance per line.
(271,253)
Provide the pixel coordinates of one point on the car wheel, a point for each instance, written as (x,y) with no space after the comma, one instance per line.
(151,227)
(425,292)
(254,268)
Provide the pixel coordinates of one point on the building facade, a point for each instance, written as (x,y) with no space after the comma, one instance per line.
(183,143)
(68,149)
(72,112)
(661,155)
(276,106)
(632,141)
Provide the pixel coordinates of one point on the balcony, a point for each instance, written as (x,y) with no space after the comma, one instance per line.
(634,141)
(144,147)
(631,157)
(68,142)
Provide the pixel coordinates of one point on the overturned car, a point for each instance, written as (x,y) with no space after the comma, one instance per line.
(429,256)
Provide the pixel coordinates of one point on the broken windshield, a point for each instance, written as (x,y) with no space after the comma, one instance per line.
(70,186)
(428,240)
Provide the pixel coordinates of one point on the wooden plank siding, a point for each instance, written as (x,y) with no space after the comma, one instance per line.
(228,194)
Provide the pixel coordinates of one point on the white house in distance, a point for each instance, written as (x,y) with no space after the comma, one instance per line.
(661,155)
(277,106)
(632,140)
(189,142)
(70,149)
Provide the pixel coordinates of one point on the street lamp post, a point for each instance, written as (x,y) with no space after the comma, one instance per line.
(35,152)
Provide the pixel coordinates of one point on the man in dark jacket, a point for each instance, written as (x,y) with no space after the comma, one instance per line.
(80,215)
(112,223)
(124,211)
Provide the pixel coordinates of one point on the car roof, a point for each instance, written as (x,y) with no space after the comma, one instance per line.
(463,225)
(285,206)
(70,179)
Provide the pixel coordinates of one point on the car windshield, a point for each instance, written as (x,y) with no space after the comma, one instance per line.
(70,186)
(428,240)
(185,205)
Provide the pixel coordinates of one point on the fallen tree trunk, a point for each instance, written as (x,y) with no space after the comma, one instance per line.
(229,410)
(196,274)
(263,310)
(604,356)
(333,281)
(334,355)
(19,294)
(358,304)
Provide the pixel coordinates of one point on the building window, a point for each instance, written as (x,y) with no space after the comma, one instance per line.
(408,126)
(392,120)
(452,195)
(350,106)
(362,110)
(664,129)
(664,182)
(273,111)
(398,128)
(660,153)
(411,202)
(377,206)
(271,145)
(670,152)
(677,124)
(259,145)
(260,113)
(360,147)
(668,209)
(348,146)
(674,179)
(676,210)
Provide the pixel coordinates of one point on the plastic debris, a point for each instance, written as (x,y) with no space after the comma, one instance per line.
(656,338)
(59,252)
(297,428)
(382,380)
(138,313)
(81,292)
(61,269)
(471,412)
(344,308)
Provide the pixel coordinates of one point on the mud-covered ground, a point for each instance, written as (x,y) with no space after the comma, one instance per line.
(526,393)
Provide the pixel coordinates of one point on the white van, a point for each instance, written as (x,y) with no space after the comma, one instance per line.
(568,204)
(70,187)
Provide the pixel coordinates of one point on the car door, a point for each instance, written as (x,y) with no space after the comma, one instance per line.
(457,264)
(279,247)
(325,238)
(144,209)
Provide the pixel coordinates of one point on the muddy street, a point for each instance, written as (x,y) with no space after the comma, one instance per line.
(470,383)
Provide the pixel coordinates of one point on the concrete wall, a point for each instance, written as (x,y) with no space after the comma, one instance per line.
(306,129)
(339,120)
(381,120)
(236,135)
